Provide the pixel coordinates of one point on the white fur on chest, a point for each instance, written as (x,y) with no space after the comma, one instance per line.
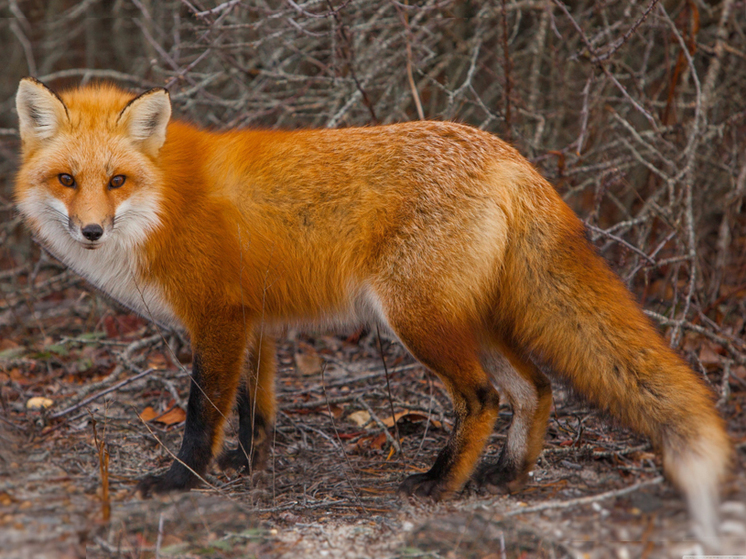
(113,268)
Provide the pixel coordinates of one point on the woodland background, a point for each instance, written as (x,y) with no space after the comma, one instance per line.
(635,110)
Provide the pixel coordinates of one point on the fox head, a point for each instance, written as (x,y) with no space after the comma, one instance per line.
(89,175)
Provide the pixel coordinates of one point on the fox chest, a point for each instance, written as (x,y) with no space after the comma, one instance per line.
(115,272)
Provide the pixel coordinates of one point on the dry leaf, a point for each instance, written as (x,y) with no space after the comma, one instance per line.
(8,344)
(308,363)
(411,417)
(709,355)
(6,499)
(157,361)
(39,403)
(359,418)
(148,414)
(378,441)
(336,411)
(172,416)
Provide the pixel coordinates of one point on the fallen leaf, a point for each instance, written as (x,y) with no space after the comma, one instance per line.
(148,414)
(411,417)
(308,363)
(172,416)
(709,355)
(6,499)
(12,352)
(39,403)
(157,361)
(378,441)
(8,344)
(336,411)
(359,418)
(121,325)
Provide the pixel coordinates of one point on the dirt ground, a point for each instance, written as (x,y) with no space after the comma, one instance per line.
(116,390)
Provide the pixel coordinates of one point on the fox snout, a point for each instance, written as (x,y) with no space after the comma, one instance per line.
(91,234)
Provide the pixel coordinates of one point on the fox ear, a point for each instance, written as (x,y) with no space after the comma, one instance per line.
(41,113)
(146,117)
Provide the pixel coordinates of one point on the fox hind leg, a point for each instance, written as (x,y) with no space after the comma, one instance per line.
(530,395)
(256,409)
(450,351)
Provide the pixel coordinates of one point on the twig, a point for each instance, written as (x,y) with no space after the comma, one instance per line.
(616,46)
(103,463)
(159,539)
(506,70)
(388,388)
(737,354)
(619,240)
(602,66)
(217,9)
(95,397)
(412,86)
(26,44)
(346,37)
(580,501)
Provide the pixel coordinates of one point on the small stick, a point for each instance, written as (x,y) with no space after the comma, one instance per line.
(388,388)
(160,537)
(102,393)
(549,505)
(381,425)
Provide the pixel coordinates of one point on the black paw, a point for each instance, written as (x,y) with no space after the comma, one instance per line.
(240,460)
(234,460)
(425,486)
(500,479)
(179,480)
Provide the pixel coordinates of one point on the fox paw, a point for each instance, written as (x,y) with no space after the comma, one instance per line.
(239,460)
(166,483)
(425,486)
(500,479)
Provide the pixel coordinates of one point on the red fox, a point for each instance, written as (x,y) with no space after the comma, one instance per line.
(437,231)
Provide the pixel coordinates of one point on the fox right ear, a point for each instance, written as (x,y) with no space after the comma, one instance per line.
(41,112)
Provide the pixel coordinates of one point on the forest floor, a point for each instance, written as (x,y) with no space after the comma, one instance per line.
(68,471)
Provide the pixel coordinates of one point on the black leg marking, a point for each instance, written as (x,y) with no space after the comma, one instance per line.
(196,446)
(430,484)
(503,476)
(253,438)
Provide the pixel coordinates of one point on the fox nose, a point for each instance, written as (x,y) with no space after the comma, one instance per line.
(92,232)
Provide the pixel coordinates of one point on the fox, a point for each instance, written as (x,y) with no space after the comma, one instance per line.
(442,234)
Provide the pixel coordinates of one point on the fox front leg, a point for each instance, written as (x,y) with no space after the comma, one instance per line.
(216,371)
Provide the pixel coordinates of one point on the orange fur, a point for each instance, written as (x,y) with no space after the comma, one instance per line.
(439,231)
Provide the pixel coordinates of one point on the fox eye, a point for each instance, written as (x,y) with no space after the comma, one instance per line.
(117,181)
(66,180)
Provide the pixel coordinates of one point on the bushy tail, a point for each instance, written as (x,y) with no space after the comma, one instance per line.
(566,307)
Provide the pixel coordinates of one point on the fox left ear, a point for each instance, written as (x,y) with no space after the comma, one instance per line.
(146,117)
